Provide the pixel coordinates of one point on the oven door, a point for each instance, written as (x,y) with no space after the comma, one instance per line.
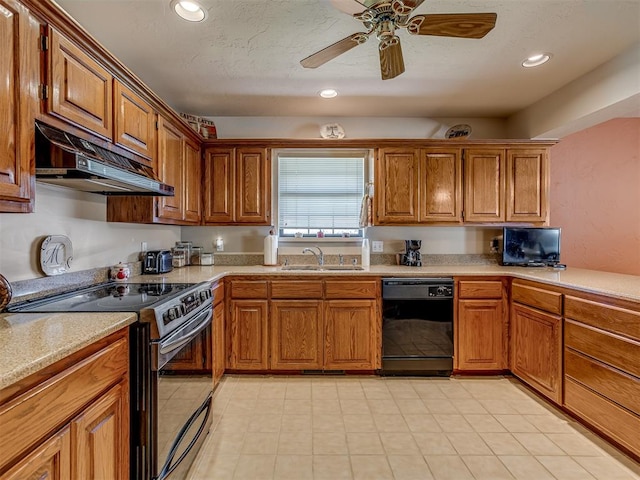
(182,401)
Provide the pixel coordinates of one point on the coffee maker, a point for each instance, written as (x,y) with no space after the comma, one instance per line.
(412,256)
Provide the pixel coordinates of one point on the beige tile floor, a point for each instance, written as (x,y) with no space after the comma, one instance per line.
(369,428)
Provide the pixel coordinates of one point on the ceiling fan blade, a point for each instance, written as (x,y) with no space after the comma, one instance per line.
(464,25)
(332,51)
(391,61)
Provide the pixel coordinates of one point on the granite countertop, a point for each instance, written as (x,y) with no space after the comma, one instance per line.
(30,341)
(617,285)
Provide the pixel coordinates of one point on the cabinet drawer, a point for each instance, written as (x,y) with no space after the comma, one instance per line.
(218,293)
(604,346)
(536,297)
(351,289)
(480,289)
(618,387)
(249,289)
(614,319)
(620,424)
(44,408)
(296,289)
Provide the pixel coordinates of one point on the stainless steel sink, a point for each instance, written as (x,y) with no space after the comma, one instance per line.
(323,268)
(301,267)
(342,267)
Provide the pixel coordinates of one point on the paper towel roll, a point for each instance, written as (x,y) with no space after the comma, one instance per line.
(271,250)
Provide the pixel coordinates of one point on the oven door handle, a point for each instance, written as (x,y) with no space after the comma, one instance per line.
(176,343)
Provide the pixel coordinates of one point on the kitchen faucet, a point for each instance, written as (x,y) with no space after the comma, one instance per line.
(319,256)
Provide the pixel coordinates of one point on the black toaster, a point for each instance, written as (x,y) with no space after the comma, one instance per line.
(157,261)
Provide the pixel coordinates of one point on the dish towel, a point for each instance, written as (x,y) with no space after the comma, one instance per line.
(366,214)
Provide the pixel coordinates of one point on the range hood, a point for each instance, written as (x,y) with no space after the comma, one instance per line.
(67,160)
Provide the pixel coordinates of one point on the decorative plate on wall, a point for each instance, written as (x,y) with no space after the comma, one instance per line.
(332,130)
(56,254)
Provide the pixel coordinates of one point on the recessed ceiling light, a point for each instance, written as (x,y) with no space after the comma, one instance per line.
(535,60)
(189,10)
(328,93)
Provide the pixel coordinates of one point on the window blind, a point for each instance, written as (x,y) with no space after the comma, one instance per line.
(319,193)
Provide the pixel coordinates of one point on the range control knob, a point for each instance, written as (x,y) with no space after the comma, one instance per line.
(205,295)
(175,312)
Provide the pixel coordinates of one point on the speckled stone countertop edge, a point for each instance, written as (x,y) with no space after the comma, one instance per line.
(18,361)
(620,286)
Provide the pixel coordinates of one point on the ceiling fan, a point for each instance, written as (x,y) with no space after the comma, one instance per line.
(383,17)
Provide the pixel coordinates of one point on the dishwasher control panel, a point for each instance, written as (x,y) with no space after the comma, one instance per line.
(417,288)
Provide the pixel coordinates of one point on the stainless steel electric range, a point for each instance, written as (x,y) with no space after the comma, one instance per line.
(170,413)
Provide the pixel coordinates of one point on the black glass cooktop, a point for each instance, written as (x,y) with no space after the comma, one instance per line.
(111,297)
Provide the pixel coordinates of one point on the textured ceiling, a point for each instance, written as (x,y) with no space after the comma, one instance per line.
(243,60)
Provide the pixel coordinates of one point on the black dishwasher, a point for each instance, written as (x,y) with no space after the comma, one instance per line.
(417,326)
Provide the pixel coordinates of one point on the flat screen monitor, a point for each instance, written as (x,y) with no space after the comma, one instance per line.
(531,246)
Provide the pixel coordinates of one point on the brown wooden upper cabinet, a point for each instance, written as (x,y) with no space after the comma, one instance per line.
(20,67)
(135,122)
(178,164)
(506,185)
(418,186)
(440,185)
(80,89)
(527,185)
(397,175)
(237,186)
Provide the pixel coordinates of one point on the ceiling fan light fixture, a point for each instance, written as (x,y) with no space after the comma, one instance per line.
(189,10)
(328,93)
(536,60)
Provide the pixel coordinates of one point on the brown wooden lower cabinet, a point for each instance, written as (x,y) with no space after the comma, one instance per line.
(101,445)
(350,334)
(248,335)
(480,335)
(51,460)
(536,350)
(296,334)
(481,325)
(71,420)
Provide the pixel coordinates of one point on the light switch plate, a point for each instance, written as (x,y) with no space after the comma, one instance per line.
(377,246)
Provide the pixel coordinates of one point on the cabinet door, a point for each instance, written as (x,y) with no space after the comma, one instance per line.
(135,123)
(484,185)
(481,335)
(350,334)
(81,90)
(170,166)
(527,185)
(100,437)
(249,336)
(440,185)
(194,357)
(253,186)
(296,334)
(219,344)
(50,461)
(192,181)
(536,350)
(397,180)
(20,67)
(219,186)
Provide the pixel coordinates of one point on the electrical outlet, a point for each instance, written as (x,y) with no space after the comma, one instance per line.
(219,244)
(143,246)
(377,246)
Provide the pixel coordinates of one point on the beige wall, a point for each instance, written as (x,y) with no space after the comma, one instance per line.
(595,196)
(81,217)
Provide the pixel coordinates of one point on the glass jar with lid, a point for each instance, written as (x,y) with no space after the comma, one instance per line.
(196,255)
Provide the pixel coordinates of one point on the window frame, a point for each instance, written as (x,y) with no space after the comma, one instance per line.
(363,153)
